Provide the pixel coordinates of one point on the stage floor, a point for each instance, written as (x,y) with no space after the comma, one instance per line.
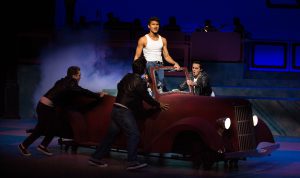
(284,162)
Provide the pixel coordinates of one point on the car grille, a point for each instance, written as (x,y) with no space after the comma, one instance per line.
(245,127)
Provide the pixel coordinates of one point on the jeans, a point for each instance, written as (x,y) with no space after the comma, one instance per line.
(121,118)
(46,125)
(159,74)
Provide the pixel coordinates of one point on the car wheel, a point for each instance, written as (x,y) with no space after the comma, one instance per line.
(208,159)
(196,155)
(189,143)
(202,155)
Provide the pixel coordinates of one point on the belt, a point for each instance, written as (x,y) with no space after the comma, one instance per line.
(156,62)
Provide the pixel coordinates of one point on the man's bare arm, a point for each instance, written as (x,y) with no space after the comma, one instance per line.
(139,48)
(168,58)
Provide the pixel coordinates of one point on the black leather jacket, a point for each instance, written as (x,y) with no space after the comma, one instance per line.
(203,86)
(132,91)
(66,90)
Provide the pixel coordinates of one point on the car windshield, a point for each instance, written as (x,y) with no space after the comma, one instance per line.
(172,80)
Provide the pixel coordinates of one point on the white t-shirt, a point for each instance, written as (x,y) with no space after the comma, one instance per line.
(195,80)
(152,50)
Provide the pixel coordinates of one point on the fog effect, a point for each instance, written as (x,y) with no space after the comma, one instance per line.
(86,51)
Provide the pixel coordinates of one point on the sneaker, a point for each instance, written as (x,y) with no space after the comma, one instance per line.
(136,165)
(44,150)
(23,150)
(98,163)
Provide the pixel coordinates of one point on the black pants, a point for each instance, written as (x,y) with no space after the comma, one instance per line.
(46,125)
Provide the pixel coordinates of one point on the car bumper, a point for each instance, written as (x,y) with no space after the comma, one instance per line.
(262,149)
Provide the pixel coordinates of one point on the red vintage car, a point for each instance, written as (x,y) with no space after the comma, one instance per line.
(202,129)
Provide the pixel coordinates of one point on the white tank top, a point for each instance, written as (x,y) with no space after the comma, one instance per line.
(153,49)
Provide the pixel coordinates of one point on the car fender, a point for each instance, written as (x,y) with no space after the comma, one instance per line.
(206,131)
(263,132)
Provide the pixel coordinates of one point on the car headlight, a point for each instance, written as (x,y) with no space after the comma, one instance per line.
(255,120)
(224,122)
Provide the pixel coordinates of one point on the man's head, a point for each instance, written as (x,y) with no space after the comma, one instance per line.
(74,72)
(196,68)
(153,24)
(236,21)
(139,66)
(207,22)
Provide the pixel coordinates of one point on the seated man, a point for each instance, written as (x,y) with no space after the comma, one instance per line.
(199,81)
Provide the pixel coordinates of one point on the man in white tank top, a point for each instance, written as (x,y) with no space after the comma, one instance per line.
(153,46)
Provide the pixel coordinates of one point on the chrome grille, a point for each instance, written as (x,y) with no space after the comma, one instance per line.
(245,128)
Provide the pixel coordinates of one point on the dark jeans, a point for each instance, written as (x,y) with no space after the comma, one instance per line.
(45,126)
(121,118)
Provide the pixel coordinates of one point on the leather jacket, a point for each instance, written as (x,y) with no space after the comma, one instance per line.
(202,85)
(132,91)
(65,90)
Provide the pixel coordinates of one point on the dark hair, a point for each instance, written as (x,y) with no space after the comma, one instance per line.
(197,62)
(139,66)
(73,70)
(207,22)
(153,19)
